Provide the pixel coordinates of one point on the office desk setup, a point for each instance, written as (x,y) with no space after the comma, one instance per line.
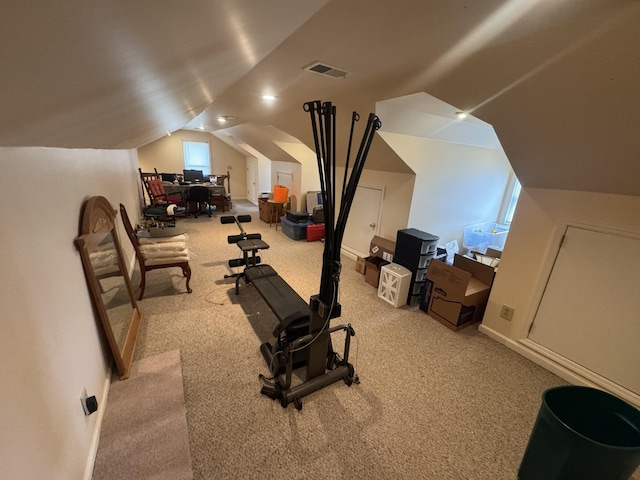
(219,197)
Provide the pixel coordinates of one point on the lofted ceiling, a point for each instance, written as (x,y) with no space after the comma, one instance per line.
(556,79)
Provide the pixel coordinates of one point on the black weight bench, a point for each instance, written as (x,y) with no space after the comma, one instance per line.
(289,308)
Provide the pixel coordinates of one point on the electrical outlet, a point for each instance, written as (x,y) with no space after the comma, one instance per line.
(507,312)
(89,403)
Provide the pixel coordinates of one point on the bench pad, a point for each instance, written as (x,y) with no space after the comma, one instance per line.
(290,309)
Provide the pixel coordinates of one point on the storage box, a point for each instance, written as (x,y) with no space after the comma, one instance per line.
(456,295)
(315,232)
(360,265)
(381,247)
(480,236)
(380,253)
(372,270)
(298,217)
(395,281)
(295,230)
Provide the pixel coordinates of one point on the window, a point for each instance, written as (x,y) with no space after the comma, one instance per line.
(196,156)
(512,201)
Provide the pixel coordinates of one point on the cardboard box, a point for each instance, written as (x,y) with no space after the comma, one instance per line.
(372,270)
(491,257)
(360,265)
(380,253)
(456,295)
(381,247)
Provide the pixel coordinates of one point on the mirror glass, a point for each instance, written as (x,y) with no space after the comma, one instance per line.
(108,281)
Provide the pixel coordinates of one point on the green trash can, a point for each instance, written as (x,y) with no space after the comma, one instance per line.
(582,433)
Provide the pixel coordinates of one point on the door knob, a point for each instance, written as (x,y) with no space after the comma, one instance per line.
(372,225)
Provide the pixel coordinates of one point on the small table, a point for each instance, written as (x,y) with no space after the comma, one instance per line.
(278,209)
(158,232)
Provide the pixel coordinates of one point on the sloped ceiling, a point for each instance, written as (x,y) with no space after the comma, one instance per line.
(557,80)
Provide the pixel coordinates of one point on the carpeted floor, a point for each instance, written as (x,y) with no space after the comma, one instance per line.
(144,431)
(432,403)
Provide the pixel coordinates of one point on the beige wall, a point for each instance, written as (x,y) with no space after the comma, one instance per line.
(166,156)
(397,198)
(456,185)
(51,343)
(531,247)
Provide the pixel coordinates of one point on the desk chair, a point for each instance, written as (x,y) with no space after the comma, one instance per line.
(154,253)
(201,196)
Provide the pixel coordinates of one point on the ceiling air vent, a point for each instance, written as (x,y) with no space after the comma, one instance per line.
(327,70)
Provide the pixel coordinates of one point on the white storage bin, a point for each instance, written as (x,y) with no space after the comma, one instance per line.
(480,236)
(395,281)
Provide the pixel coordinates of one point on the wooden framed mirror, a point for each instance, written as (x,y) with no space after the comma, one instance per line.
(108,280)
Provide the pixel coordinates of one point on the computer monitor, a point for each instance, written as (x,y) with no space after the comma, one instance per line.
(193,176)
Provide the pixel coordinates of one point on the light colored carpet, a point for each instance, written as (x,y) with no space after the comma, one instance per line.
(144,431)
(432,403)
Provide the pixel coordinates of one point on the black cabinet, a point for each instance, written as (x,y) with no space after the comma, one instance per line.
(414,251)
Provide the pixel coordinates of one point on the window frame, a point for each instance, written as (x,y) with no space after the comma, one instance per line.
(510,200)
(186,157)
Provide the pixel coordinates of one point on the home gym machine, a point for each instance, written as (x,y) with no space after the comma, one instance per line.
(306,334)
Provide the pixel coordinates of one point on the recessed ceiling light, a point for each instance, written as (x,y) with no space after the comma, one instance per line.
(226,118)
(268,97)
(201,127)
(461,115)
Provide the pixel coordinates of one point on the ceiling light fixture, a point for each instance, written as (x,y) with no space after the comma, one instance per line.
(201,127)
(226,118)
(268,97)
(461,115)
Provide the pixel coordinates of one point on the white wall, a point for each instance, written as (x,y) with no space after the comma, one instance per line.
(296,170)
(310,178)
(50,347)
(531,247)
(456,185)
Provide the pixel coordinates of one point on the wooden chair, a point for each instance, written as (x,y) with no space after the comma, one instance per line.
(159,200)
(154,253)
(152,185)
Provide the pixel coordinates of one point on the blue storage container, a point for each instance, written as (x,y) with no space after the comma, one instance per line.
(295,230)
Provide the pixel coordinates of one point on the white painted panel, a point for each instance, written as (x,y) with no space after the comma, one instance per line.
(589,312)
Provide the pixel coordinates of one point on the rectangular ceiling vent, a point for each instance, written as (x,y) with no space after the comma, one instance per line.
(327,70)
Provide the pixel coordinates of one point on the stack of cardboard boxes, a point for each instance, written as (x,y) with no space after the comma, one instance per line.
(380,253)
(456,295)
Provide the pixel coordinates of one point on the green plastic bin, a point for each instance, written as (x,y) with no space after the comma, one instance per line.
(582,433)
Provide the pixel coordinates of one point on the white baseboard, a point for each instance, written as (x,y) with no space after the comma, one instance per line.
(564,368)
(95,438)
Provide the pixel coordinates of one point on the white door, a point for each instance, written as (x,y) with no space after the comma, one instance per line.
(285,179)
(251,183)
(588,313)
(364,220)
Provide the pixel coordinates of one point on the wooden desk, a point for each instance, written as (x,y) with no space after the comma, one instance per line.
(219,197)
